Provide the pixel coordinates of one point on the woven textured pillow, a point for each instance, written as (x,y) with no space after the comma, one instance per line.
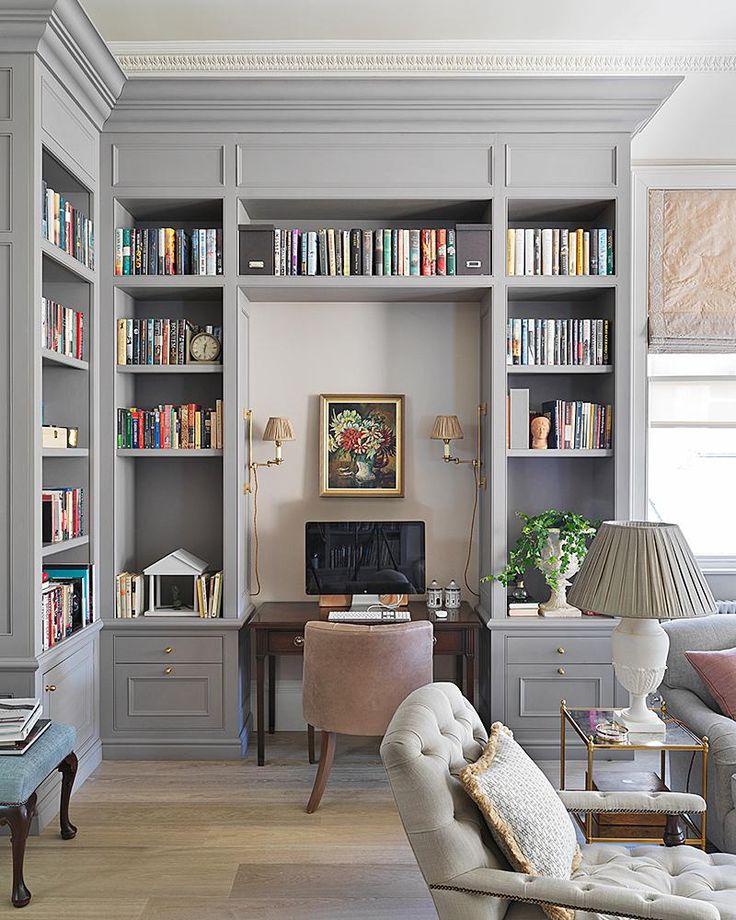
(523,811)
(718,671)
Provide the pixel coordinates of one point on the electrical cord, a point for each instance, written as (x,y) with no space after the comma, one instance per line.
(255,532)
(472,530)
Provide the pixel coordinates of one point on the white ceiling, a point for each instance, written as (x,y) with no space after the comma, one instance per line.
(654,22)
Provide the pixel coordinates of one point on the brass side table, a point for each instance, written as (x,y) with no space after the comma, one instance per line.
(677,738)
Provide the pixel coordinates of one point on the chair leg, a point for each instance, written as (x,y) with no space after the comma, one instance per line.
(68,770)
(674,832)
(18,818)
(326,757)
(310,744)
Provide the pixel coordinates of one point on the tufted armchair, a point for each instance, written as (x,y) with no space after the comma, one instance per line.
(433,735)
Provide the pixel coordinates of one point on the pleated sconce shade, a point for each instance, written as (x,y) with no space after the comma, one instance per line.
(278,428)
(446,428)
(640,569)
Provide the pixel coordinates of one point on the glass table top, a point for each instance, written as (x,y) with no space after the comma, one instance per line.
(676,734)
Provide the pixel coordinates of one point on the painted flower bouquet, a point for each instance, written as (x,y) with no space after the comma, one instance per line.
(365,440)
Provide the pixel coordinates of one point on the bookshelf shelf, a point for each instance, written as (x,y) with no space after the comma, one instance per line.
(553,453)
(535,369)
(138,285)
(169,368)
(368,288)
(542,284)
(163,453)
(49,357)
(51,549)
(68,262)
(64,452)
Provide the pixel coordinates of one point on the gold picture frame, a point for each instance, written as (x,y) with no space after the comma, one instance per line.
(361,445)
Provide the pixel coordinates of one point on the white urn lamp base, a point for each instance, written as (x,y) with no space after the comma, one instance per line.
(640,649)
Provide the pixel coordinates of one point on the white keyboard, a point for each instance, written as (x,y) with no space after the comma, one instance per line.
(369,616)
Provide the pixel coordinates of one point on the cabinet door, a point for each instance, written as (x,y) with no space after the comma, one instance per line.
(175,698)
(69,692)
(533,693)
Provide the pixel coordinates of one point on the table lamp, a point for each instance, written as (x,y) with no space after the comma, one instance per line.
(642,572)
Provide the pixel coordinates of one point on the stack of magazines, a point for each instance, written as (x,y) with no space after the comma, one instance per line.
(20,724)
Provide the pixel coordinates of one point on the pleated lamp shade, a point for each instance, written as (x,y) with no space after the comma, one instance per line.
(642,570)
(446,428)
(278,428)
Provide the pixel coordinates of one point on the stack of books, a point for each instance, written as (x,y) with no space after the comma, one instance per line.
(208,600)
(168,427)
(557,342)
(168,251)
(20,724)
(158,341)
(129,595)
(62,514)
(66,227)
(552,251)
(579,425)
(528,608)
(430,251)
(62,329)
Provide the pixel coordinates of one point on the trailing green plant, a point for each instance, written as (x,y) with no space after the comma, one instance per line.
(575,532)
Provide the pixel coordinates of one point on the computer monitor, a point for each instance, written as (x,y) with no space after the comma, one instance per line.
(364,557)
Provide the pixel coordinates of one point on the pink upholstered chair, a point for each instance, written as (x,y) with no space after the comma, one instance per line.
(355,677)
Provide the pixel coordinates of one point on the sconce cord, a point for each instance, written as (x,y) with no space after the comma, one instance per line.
(255,530)
(472,530)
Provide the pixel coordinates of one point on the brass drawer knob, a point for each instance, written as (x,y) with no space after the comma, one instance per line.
(51,688)
(298,641)
(560,670)
(168,670)
(168,650)
(561,650)
(434,640)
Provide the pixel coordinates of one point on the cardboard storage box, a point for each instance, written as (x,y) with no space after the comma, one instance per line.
(255,248)
(473,242)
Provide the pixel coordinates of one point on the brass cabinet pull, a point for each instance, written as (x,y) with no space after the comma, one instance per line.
(560,670)
(561,650)
(168,650)
(298,641)
(51,688)
(434,640)
(168,670)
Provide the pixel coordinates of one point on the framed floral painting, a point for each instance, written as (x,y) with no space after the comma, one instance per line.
(361,446)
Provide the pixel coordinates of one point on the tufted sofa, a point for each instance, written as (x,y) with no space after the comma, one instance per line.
(433,735)
(689,700)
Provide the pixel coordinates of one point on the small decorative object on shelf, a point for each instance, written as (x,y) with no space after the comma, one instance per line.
(62,329)
(168,251)
(67,227)
(611,732)
(54,438)
(519,594)
(453,596)
(553,251)
(558,342)
(540,427)
(168,427)
(178,566)
(434,596)
(204,348)
(161,341)
(555,542)
(519,604)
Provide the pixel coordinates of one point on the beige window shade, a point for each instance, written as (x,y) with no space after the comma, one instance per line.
(692,270)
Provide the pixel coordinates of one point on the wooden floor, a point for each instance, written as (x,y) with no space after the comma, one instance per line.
(227,841)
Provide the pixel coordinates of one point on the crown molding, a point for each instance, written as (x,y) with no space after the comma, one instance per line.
(420,58)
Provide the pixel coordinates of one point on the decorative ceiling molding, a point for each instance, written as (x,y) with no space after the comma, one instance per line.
(335,58)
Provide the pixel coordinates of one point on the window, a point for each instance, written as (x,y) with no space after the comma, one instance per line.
(692,451)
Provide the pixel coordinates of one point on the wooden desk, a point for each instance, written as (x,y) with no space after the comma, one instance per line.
(279,630)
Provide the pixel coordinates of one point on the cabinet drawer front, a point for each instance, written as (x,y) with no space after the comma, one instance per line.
(558,649)
(168,648)
(188,697)
(72,699)
(448,642)
(533,694)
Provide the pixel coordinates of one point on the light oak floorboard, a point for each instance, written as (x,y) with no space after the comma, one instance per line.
(183,840)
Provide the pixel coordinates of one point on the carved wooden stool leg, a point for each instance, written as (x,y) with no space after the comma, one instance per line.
(18,818)
(310,743)
(326,757)
(674,832)
(68,770)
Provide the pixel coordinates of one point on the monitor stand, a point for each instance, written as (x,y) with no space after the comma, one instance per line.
(364,601)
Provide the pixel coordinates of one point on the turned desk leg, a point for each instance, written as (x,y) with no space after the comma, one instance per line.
(271,694)
(18,818)
(68,770)
(260,727)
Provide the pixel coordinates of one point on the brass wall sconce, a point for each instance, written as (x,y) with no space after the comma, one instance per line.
(278,429)
(447,428)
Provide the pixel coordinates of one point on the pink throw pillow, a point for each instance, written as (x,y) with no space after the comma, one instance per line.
(718,671)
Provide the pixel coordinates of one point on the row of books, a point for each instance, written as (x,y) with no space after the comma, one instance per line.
(20,724)
(578,425)
(364,252)
(557,341)
(158,341)
(208,597)
(56,613)
(62,514)
(130,597)
(168,427)
(67,227)
(168,251)
(553,251)
(62,329)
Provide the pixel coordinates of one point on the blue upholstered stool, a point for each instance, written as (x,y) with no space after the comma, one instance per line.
(20,777)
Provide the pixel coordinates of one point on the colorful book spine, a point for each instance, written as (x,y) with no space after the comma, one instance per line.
(557,341)
(62,329)
(187,427)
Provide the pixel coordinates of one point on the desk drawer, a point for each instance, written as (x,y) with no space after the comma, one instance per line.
(448,642)
(175,698)
(171,649)
(291,642)
(558,649)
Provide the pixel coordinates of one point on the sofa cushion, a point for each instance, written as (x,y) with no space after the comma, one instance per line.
(704,634)
(523,811)
(718,671)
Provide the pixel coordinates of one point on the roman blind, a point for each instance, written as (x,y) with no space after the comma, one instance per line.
(692,270)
